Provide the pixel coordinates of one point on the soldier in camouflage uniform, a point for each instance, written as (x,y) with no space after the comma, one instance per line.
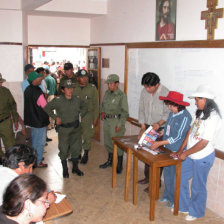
(88,93)
(68,109)
(69,74)
(114,112)
(8,109)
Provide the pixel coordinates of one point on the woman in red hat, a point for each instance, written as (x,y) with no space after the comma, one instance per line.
(175,130)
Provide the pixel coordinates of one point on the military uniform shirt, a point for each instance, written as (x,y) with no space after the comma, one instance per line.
(8,105)
(67,109)
(89,95)
(115,103)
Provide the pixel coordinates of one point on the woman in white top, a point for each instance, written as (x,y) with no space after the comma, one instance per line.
(200,154)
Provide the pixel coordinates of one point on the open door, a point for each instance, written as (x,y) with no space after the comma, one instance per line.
(94,69)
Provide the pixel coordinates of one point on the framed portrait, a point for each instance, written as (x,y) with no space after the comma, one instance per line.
(166,19)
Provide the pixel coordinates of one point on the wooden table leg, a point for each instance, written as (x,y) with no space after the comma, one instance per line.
(157,182)
(114,174)
(135,180)
(177,189)
(152,192)
(128,173)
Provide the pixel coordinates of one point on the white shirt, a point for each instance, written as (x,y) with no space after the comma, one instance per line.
(6,176)
(203,129)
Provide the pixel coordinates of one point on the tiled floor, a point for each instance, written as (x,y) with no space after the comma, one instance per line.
(92,197)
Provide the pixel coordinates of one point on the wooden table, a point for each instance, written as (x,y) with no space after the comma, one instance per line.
(155,162)
(58,210)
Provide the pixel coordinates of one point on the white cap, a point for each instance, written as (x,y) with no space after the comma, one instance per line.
(203,91)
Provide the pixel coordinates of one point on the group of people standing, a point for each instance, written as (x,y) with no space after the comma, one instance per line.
(191,142)
(76,111)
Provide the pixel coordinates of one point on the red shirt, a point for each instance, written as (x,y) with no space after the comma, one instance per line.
(167,30)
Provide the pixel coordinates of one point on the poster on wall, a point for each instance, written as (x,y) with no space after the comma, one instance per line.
(166,19)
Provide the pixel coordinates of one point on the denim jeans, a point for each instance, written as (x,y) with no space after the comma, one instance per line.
(198,170)
(38,142)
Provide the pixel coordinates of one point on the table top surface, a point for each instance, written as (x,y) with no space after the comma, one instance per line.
(162,159)
(58,210)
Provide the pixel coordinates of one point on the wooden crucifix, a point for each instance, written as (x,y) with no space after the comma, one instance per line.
(211,18)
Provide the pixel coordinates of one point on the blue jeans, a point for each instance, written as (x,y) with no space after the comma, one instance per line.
(169,173)
(38,142)
(197,170)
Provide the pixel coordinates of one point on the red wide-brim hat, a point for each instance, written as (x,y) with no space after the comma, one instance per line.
(175,97)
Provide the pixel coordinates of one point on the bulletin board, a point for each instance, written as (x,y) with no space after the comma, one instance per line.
(181,66)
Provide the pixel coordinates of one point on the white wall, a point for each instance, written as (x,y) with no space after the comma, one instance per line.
(44,30)
(116,54)
(11,26)
(135,22)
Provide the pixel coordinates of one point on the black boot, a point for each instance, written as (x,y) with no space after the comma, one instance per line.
(75,168)
(85,157)
(108,162)
(119,164)
(65,169)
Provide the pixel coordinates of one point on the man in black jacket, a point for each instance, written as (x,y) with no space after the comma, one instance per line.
(35,116)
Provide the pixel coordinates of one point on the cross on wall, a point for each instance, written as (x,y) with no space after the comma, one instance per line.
(211,17)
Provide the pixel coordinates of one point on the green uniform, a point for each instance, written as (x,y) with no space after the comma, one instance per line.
(69,110)
(115,105)
(89,95)
(74,80)
(7,109)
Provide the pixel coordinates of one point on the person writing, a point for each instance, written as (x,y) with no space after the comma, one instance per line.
(175,130)
(200,154)
(24,201)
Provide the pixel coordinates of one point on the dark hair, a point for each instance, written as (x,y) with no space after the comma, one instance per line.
(40,69)
(19,153)
(179,107)
(150,79)
(161,6)
(23,187)
(47,71)
(210,106)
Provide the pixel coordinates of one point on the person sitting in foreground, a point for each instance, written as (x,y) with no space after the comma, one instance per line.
(18,160)
(24,201)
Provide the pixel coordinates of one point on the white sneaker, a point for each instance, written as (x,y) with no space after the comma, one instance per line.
(163,199)
(186,213)
(190,218)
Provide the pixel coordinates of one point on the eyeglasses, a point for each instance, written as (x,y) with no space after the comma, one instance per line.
(45,201)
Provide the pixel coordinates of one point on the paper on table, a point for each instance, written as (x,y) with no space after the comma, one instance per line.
(60,197)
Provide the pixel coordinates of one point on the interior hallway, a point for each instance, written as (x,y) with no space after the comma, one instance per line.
(92,197)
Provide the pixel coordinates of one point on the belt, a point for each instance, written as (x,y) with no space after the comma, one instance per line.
(74,124)
(108,116)
(4,119)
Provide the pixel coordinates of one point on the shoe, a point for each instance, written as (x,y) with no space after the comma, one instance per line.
(163,200)
(75,168)
(190,218)
(84,159)
(146,190)
(186,213)
(65,169)
(41,165)
(169,205)
(108,163)
(48,139)
(119,164)
(143,181)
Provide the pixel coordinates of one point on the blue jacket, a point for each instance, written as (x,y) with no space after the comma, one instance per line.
(176,128)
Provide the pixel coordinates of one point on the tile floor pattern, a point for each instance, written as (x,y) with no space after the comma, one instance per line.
(92,197)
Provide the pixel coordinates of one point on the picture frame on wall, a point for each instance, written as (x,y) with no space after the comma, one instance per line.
(166,20)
